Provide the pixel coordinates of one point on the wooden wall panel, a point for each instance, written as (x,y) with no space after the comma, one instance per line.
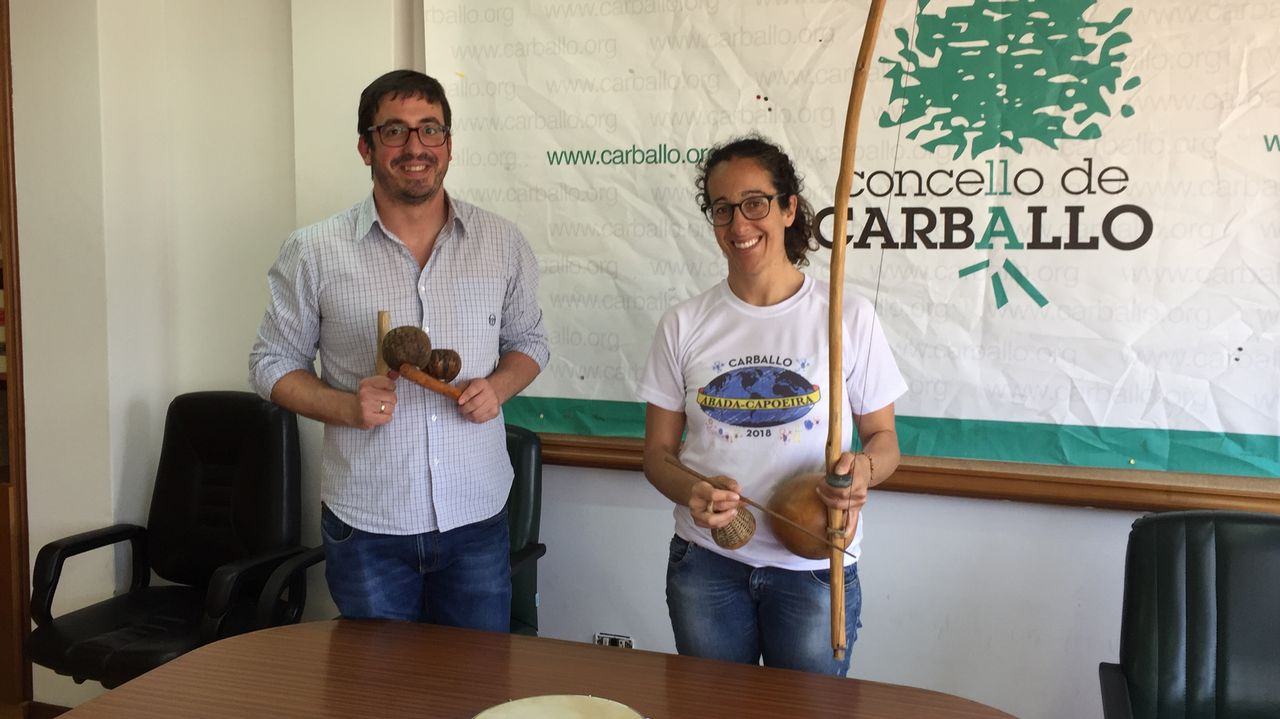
(15,671)
(1084,487)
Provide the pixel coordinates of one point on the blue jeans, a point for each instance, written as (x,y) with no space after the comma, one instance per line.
(722,609)
(461,577)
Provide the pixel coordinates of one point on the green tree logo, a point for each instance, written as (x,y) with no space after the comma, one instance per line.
(995,73)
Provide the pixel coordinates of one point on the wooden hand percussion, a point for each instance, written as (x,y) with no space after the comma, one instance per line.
(443,364)
(384,326)
(406,345)
(407,349)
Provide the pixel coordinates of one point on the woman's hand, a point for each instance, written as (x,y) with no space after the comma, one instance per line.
(711,507)
(850,498)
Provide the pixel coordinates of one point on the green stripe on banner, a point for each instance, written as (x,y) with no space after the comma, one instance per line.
(1249,455)
(590,417)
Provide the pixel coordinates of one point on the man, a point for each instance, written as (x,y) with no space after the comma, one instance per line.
(413,484)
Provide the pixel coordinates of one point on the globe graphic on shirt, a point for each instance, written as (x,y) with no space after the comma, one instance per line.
(758,397)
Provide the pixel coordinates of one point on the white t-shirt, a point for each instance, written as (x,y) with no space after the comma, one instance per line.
(752,384)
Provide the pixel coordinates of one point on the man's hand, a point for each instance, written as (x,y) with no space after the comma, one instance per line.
(479,402)
(375,401)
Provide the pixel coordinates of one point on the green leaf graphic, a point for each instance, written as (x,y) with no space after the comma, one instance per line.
(995,73)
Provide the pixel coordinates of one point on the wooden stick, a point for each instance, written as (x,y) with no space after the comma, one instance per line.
(384,326)
(844,185)
(698,475)
(426,381)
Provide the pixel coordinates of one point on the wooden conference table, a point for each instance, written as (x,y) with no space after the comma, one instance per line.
(388,670)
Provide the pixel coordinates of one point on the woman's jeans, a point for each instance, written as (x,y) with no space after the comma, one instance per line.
(461,577)
(722,609)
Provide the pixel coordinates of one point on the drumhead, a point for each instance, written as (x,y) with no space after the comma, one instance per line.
(560,706)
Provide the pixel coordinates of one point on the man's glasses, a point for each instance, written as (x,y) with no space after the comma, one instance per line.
(396,134)
(752,208)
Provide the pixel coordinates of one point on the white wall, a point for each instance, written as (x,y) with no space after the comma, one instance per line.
(197,141)
(153,144)
(164,150)
(59,187)
(329,71)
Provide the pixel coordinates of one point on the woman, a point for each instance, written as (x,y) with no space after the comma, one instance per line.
(760,335)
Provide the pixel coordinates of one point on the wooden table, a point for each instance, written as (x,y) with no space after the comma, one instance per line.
(389,669)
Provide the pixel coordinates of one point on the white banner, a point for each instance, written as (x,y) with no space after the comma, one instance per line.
(1066,212)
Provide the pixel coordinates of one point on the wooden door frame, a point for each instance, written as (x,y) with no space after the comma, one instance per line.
(15,623)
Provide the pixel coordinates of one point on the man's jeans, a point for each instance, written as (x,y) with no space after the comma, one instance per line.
(724,609)
(461,577)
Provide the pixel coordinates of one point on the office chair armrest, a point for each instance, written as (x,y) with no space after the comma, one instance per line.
(1115,692)
(236,579)
(291,574)
(526,556)
(44,578)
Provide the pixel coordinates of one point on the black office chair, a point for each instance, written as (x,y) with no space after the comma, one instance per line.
(284,596)
(224,514)
(1200,628)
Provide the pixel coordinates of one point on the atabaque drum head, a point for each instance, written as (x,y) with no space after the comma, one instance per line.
(560,706)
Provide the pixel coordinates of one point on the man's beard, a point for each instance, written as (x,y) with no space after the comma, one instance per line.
(410,194)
